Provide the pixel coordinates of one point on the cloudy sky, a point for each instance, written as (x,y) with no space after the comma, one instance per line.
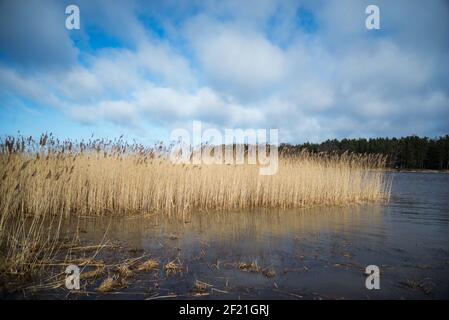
(142,68)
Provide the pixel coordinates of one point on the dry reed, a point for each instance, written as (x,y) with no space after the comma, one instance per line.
(100,182)
(148,265)
(47,181)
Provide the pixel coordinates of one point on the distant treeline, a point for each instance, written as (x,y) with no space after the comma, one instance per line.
(410,152)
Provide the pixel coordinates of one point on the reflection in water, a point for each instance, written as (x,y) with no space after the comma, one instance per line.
(312,253)
(245,232)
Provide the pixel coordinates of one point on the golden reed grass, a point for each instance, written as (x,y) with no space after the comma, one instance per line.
(57,179)
(100,182)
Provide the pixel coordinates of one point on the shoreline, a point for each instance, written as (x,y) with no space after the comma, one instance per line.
(417,170)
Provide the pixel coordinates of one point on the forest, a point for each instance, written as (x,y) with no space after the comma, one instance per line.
(410,152)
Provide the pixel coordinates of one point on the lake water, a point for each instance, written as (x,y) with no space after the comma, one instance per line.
(317,253)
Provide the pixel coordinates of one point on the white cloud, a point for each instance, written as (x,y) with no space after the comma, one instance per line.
(234,60)
(32,35)
(237,68)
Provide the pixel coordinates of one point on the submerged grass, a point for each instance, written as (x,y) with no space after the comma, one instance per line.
(112,283)
(173,268)
(42,183)
(148,265)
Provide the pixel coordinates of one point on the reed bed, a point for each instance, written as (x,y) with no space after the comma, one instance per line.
(101,181)
(52,179)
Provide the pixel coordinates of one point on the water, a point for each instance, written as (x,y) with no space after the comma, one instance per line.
(317,253)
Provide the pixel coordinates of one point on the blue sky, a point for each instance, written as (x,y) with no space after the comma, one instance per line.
(143,68)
